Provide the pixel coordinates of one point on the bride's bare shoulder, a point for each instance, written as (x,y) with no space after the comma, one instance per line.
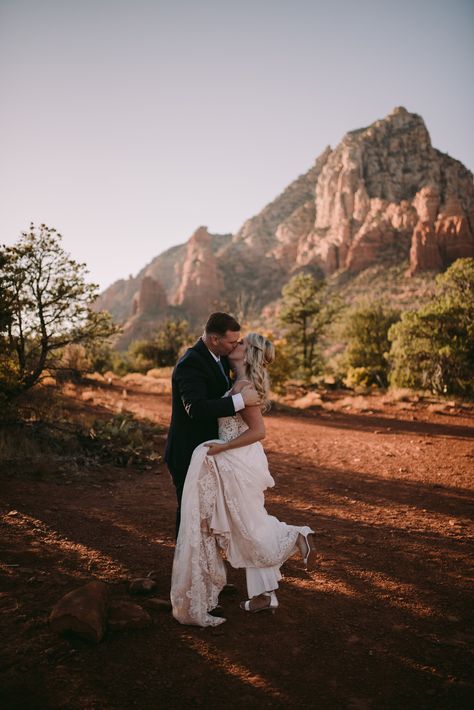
(240,385)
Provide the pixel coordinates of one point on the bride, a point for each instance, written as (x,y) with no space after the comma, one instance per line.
(223,513)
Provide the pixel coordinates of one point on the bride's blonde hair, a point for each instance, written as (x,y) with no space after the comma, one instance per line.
(260,353)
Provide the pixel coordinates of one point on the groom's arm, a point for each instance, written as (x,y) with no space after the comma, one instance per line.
(192,384)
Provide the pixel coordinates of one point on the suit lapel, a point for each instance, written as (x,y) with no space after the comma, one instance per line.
(201,348)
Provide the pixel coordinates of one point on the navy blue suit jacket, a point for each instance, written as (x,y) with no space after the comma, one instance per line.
(197,389)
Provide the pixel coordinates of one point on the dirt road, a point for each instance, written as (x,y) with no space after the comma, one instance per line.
(385,621)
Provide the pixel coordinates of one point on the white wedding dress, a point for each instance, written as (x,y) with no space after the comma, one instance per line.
(223,516)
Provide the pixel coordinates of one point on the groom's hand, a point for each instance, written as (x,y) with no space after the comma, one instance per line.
(250,397)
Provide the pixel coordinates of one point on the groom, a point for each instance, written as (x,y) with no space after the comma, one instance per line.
(199,381)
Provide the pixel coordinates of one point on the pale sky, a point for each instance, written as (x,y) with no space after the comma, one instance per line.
(127,124)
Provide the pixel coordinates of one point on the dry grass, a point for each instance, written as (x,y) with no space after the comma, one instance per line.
(61,428)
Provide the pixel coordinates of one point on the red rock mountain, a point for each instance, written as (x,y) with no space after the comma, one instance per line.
(383,194)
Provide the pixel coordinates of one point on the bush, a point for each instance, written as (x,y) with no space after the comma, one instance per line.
(142,356)
(162,350)
(358,377)
(122,440)
(367,330)
(101,357)
(120,364)
(433,348)
(73,364)
(282,368)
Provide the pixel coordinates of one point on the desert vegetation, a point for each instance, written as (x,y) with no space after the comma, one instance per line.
(86,498)
(323,337)
(50,334)
(323,334)
(46,306)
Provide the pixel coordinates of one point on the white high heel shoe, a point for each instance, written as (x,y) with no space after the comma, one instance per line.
(271,606)
(309,558)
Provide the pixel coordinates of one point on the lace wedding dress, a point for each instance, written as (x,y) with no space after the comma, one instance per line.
(223,516)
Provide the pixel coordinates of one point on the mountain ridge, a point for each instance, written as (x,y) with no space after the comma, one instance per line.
(383,193)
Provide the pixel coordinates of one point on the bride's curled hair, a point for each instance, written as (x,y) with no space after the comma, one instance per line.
(260,353)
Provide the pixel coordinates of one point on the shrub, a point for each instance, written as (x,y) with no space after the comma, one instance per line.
(367,330)
(358,377)
(433,348)
(73,363)
(122,440)
(162,350)
(101,357)
(282,368)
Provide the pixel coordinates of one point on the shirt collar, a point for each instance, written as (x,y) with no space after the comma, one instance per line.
(216,357)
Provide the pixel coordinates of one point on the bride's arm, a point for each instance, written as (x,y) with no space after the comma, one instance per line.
(240,385)
(252,416)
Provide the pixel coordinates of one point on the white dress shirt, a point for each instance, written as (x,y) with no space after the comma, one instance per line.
(237,399)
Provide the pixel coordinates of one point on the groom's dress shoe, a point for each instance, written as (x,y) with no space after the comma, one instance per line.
(217,611)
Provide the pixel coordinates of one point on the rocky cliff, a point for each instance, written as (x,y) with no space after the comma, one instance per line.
(384,194)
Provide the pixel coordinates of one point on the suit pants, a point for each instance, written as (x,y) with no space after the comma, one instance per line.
(178,476)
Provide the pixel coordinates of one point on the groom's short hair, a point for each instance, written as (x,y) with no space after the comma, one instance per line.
(219,323)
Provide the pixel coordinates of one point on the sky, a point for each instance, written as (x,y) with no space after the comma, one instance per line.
(127,124)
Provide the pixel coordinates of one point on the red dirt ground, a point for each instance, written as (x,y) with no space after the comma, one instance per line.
(385,621)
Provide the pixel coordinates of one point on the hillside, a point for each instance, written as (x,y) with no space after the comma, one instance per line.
(384,198)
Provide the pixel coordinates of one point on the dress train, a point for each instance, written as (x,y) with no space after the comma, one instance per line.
(223,515)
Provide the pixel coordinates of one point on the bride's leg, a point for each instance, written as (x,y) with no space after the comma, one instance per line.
(262,602)
(307,548)
(261,580)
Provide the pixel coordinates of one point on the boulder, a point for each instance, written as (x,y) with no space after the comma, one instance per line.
(159,604)
(83,612)
(124,614)
(142,585)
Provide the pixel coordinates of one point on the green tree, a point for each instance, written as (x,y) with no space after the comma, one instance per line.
(142,355)
(51,307)
(282,368)
(305,314)
(101,356)
(366,330)
(456,285)
(162,350)
(170,340)
(8,365)
(433,348)
(6,313)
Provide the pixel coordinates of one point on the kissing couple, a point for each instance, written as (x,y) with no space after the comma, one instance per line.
(220,471)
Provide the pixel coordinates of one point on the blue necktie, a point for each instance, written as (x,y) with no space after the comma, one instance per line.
(221,367)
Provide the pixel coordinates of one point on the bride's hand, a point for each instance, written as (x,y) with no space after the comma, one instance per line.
(250,396)
(239,386)
(214,449)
